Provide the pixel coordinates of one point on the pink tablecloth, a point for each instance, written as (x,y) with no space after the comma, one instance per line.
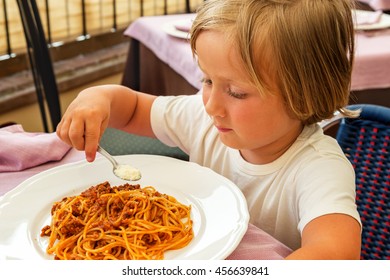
(256,244)
(372,61)
(383,5)
(175,52)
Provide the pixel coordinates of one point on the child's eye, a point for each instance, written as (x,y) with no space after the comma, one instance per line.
(206,81)
(236,94)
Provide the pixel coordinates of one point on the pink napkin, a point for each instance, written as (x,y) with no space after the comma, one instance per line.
(20,150)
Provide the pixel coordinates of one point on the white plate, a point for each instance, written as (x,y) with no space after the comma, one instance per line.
(359,15)
(170,28)
(219,210)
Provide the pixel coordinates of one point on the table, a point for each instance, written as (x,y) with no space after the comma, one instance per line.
(256,244)
(158,63)
(161,64)
(383,5)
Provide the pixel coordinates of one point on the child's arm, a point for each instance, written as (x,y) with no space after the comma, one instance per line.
(95,108)
(332,236)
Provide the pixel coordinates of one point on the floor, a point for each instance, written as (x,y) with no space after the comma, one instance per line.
(29,116)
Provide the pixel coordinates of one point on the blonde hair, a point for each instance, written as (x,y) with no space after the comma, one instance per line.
(305,46)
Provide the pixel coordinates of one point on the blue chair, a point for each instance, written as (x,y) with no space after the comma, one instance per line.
(366,143)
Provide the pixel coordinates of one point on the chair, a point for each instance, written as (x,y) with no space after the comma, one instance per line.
(117,142)
(40,62)
(366,143)
(114,141)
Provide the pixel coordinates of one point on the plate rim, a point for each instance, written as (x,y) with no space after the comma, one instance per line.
(170,29)
(382,24)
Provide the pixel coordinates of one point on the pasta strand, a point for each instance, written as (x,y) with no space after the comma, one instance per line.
(117,223)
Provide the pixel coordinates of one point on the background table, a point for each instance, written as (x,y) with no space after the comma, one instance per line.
(158,63)
(161,64)
(383,5)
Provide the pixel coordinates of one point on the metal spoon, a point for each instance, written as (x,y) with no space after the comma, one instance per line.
(122,171)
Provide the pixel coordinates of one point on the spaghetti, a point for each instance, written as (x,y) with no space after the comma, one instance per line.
(121,222)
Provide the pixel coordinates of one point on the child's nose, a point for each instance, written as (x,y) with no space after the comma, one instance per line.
(214,104)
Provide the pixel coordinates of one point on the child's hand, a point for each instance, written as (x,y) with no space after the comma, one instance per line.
(85,120)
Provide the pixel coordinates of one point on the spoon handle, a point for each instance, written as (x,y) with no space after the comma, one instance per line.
(108,156)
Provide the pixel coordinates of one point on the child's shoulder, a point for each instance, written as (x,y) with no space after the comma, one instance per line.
(313,135)
(314,146)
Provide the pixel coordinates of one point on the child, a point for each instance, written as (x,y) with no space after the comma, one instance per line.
(272,70)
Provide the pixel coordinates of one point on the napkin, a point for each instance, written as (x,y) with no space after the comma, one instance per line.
(20,150)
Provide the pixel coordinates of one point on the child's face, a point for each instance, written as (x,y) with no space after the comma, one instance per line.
(259,127)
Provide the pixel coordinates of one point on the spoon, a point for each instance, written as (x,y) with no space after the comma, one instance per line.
(122,171)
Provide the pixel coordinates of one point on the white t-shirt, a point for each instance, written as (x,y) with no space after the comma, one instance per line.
(312,178)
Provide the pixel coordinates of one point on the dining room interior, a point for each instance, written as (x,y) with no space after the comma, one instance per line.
(88,47)
(143,44)
(86,44)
